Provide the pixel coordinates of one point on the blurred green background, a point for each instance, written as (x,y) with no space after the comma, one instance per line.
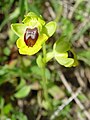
(20,78)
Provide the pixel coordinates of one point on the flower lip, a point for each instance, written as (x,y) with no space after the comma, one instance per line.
(31,36)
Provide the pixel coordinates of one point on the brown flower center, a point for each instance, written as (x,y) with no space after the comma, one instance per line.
(31,36)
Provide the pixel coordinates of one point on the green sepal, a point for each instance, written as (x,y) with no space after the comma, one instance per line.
(33,16)
(62,45)
(67,62)
(18,28)
(29,16)
(50,28)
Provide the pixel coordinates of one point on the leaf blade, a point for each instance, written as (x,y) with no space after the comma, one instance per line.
(23,92)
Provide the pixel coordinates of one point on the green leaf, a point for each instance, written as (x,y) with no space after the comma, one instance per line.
(18,28)
(7,108)
(82,97)
(23,92)
(40,61)
(38,72)
(22,8)
(50,28)
(18,115)
(62,45)
(10,17)
(21,84)
(6,51)
(56,92)
(84,55)
(46,105)
(49,56)
(14,14)
(67,28)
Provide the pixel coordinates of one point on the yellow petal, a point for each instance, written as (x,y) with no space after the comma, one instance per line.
(42,38)
(29,50)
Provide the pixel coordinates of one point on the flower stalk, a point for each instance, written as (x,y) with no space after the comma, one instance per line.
(44,78)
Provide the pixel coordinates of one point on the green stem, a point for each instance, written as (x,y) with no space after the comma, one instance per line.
(44,73)
(26,6)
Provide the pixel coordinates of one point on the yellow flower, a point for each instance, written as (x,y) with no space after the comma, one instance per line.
(32,33)
(63,53)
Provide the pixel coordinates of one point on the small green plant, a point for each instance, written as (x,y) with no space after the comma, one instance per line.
(33,33)
(32,83)
(6,109)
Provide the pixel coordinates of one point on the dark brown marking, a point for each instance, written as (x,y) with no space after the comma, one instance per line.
(31,36)
(70,54)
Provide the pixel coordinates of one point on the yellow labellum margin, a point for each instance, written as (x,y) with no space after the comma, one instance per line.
(25,50)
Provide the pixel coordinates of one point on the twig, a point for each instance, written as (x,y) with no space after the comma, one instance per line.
(82,108)
(82,84)
(82,42)
(74,9)
(65,104)
(70,90)
(65,13)
(52,13)
(82,28)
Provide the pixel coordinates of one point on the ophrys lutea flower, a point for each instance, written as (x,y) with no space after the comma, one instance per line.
(32,33)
